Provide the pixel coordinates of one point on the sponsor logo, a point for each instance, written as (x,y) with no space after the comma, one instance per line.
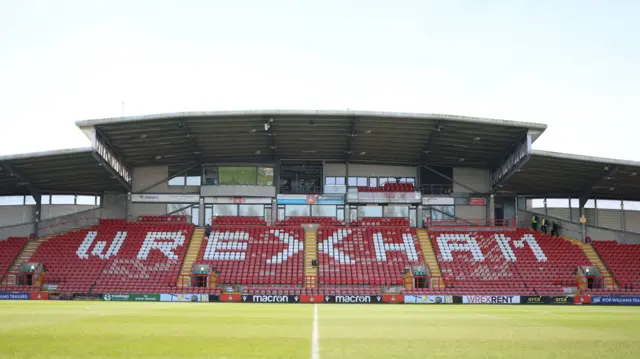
(14,296)
(615,300)
(478,299)
(354,299)
(269,299)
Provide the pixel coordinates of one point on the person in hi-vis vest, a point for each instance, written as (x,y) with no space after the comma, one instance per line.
(543,225)
(534,223)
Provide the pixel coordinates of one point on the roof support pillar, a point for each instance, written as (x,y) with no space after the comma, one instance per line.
(452,180)
(33,190)
(512,162)
(608,173)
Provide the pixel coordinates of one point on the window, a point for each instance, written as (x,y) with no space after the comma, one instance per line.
(247,175)
(352,181)
(396,211)
(177,181)
(362,181)
(373,182)
(297,210)
(265,176)
(211,176)
(340,181)
(86,200)
(369,211)
(411,180)
(60,199)
(443,212)
(323,210)
(193,180)
(251,210)
(330,181)
(11,200)
(28,200)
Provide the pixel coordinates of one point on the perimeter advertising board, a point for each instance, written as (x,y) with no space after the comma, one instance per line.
(428,299)
(184,298)
(14,296)
(615,300)
(131,297)
(493,299)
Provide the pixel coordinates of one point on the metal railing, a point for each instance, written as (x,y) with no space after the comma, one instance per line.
(436,189)
(450,224)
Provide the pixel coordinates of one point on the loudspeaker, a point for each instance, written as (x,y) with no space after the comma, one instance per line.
(314,262)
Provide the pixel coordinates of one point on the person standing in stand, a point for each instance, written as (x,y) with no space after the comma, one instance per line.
(534,223)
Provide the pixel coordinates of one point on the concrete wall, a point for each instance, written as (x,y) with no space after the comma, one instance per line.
(144,177)
(471,212)
(574,230)
(478,179)
(114,205)
(362,170)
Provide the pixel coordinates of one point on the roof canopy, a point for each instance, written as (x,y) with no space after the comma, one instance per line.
(552,174)
(68,171)
(265,136)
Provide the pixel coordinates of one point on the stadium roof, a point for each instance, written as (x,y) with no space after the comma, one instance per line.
(260,136)
(66,171)
(553,174)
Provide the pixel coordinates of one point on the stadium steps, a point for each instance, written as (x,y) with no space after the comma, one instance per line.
(596,261)
(27,252)
(192,255)
(310,253)
(429,255)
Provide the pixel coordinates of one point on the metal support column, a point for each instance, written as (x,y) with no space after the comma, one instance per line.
(201,213)
(492,210)
(623,223)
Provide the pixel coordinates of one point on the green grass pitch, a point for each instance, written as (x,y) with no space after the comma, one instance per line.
(223,330)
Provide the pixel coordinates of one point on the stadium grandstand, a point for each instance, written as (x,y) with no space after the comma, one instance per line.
(315,204)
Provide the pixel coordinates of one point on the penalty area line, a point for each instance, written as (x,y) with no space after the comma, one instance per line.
(315,337)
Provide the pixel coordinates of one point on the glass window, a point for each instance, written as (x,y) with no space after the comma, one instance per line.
(330,181)
(220,210)
(247,175)
(98,199)
(177,181)
(631,206)
(86,200)
(195,215)
(373,182)
(194,180)
(340,181)
(297,210)
(211,176)
(353,181)
(396,211)
(208,214)
(27,200)
(323,210)
(383,180)
(62,199)
(362,181)
(443,212)
(11,200)
(403,179)
(265,176)
(228,175)
(369,211)
(411,180)
(251,210)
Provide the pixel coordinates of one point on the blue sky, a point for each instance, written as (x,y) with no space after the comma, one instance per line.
(570,64)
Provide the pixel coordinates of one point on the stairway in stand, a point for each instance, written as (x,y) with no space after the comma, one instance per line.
(27,252)
(430,257)
(595,260)
(310,254)
(192,255)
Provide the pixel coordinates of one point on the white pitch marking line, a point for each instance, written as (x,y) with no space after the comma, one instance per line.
(315,337)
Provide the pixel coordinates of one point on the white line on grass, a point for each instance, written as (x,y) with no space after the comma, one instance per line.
(315,341)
